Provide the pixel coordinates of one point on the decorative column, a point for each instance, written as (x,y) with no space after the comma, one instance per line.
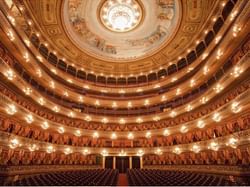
(141,162)
(130,162)
(103,162)
(114,162)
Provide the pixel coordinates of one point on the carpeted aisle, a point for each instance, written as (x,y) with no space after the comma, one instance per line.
(122,180)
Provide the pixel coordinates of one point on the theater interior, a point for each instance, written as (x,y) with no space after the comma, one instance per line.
(124,93)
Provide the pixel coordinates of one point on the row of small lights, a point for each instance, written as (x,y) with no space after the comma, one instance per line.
(218,88)
(236,30)
(235,73)
(214,145)
(235,108)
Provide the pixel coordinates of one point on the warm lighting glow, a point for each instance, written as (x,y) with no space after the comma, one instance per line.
(205,70)
(218,88)
(183,129)
(130,136)
(177,150)
(236,71)
(9,74)
(86,152)
(122,121)
(166,132)
(120,16)
(86,87)
(12,19)
(104,153)
(140,152)
(139,120)
(50,149)
(14,143)
(216,117)
(158,151)
(11,109)
(113,136)
(156,118)
(78,133)
(232,142)
(178,91)
(26,57)
(157,86)
(189,108)
(214,146)
(52,84)
(173,79)
(195,148)
(80,99)
(105,120)
(139,90)
(61,130)
(39,58)
(97,103)
(32,147)
(236,30)
(235,107)
(10,35)
(192,82)
(45,125)
(173,114)
(122,153)
(203,100)
(41,101)
(122,91)
(114,105)
(27,91)
(69,80)
(146,102)
(27,42)
(219,54)
(88,118)
(201,124)
(129,104)
(163,98)
(71,114)
(217,39)
(204,56)
(56,109)
(29,118)
(233,14)
(66,94)
(148,134)
(67,151)
(96,135)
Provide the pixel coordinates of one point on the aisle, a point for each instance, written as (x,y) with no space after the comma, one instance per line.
(122,180)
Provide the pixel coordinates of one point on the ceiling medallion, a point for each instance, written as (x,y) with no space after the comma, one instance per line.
(120,15)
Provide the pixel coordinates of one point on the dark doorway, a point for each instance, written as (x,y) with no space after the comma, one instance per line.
(122,164)
(136,162)
(109,162)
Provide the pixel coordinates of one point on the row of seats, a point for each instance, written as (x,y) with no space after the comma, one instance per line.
(96,177)
(153,177)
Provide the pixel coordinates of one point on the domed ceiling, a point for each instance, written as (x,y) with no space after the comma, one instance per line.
(120,30)
(121,37)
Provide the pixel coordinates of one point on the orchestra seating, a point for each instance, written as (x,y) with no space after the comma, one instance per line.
(94,177)
(154,177)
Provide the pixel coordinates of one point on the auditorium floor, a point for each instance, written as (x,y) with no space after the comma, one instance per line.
(122,180)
